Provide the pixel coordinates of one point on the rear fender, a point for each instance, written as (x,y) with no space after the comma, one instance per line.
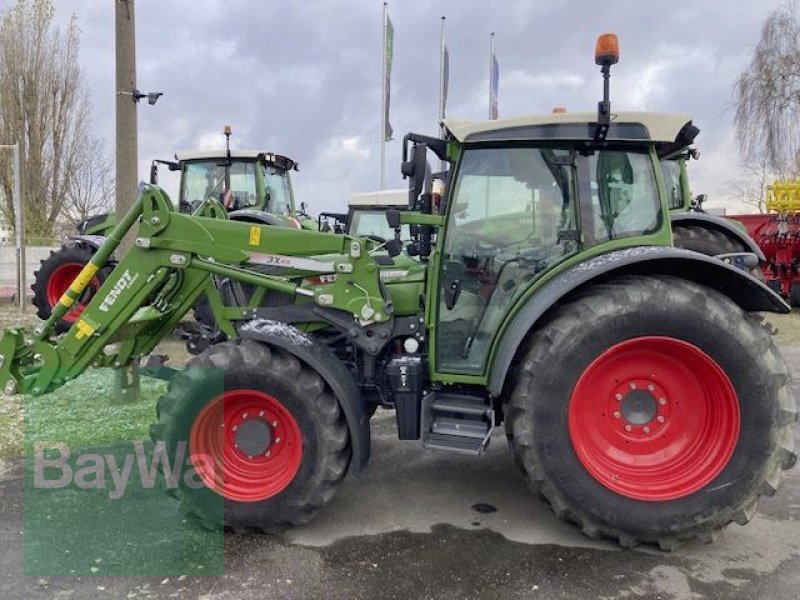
(92,241)
(249,215)
(741,287)
(719,224)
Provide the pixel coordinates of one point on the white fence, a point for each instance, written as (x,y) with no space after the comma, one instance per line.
(8,268)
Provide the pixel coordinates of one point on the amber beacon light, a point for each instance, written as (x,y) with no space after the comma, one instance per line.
(607,50)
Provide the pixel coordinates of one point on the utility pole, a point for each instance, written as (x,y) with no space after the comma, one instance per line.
(127,148)
(126,379)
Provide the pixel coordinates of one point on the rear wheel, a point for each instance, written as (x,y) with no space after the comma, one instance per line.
(268,449)
(652,410)
(56,273)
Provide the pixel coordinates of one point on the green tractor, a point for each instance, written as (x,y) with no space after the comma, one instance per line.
(366,215)
(695,229)
(253,186)
(638,390)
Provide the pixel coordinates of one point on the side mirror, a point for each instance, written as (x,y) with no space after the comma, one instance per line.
(392,218)
(393,247)
(415,169)
(698,201)
(153,173)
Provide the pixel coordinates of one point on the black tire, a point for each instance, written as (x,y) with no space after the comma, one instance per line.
(69,254)
(250,365)
(794,293)
(558,353)
(704,240)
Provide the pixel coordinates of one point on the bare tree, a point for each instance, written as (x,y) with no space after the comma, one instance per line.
(767,95)
(750,188)
(91,189)
(44,107)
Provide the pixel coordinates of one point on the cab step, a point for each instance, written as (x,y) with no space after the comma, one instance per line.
(456,423)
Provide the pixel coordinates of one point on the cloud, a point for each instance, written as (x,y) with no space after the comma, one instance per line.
(303,79)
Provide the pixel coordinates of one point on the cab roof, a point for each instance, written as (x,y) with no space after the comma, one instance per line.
(380,199)
(270,157)
(662,128)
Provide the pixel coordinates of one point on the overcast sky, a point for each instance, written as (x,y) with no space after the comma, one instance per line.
(303,78)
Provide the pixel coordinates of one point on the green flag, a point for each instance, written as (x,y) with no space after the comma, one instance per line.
(388,52)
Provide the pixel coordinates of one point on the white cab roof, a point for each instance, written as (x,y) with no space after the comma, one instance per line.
(661,127)
(379,198)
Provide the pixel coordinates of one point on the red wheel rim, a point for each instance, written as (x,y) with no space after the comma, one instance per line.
(59,282)
(252,471)
(654,418)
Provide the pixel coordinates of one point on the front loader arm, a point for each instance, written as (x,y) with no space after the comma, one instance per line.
(161,277)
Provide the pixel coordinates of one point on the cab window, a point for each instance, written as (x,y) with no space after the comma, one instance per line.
(243,184)
(671,173)
(278,190)
(512,217)
(625,198)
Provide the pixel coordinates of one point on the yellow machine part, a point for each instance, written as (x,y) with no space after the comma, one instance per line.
(784,196)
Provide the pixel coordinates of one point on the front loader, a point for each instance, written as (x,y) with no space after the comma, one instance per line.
(638,390)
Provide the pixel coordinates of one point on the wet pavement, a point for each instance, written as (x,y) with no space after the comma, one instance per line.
(407,528)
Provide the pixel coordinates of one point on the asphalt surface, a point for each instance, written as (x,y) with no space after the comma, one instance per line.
(408,528)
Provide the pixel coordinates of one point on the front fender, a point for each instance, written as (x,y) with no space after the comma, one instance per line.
(92,241)
(249,215)
(330,368)
(741,287)
(721,224)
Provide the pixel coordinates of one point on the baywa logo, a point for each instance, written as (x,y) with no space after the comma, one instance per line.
(125,281)
(89,471)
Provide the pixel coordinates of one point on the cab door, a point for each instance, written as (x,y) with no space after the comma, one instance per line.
(511,217)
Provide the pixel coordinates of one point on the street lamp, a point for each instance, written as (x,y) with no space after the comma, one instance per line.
(19,226)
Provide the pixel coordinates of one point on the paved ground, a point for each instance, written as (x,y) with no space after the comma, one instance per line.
(407,529)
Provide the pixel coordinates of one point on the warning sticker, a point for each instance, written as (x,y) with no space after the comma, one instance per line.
(84,330)
(255,235)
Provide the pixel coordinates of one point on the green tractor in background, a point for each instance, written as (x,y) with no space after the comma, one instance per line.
(253,186)
(638,390)
(695,229)
(366,215)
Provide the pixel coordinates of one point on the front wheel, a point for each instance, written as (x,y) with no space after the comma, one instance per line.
(56,273)
(652,410)
(268,447)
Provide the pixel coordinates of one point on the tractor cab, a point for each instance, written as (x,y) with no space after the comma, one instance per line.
(527,196)
(243,180)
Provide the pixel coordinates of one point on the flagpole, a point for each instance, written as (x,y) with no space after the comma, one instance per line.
(491,73)
(442,83)
(383,101)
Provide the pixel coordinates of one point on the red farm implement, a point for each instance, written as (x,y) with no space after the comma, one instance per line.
(778,234)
